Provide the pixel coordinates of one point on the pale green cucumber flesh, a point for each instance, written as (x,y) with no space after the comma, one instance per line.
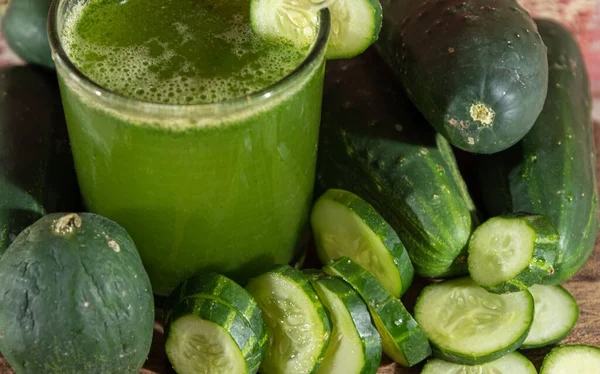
(467,325)
(556,313)
(196,345)
(355,24)
(572,359)
(512,363)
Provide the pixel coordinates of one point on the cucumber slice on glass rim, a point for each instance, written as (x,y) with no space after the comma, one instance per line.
(355,24)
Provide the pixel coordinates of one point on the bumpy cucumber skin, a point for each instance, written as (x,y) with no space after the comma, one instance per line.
(566,347)
(24,29)
(551,171)
(221,314)
(296,276)
(463,359)
(370,338)
(75,301)
(375,144)
(380,227)
(37,175)
(411,344)
(220,288)
(453,55)
(545,251)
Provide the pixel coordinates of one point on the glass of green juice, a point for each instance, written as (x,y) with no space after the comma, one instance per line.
(192,133)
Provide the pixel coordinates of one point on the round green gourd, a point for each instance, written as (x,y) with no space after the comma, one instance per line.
(75,298)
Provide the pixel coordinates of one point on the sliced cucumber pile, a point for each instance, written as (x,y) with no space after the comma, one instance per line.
(556,313)
(226,291)
(512,253)
(403,340)
(572,359)
(355,344)
(467,325)
(207,336)
(297,323)
(345,225)
(355,24)
(512,363)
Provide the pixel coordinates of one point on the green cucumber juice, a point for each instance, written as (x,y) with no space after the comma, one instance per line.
(199,187)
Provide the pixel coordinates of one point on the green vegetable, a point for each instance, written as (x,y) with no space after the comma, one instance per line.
(343,224)
(512,253)
(37,175)
(355,343)
(570,359)
(355,24)
(402,338)
(512,363)
(24,29)
(297,323)
(468,325)
(375,144)
(476,69)
(556,313)
(207,336)
(225,291)
(75,298)
(551,172)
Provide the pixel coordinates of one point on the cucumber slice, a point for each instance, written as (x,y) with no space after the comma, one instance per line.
(402,338)
(572,359)
(556,313)
(355,345)
(468,325)
(512,253)
(355,24)
(297,323)
(345,225)
(224,290)
(204,335)
(512,363)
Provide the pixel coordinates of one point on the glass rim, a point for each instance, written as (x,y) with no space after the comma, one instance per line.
(61,58)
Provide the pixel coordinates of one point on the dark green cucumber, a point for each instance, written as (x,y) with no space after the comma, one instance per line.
(476,69)
(356,344)
(511,253)
(206,336)
(551,171)
(570,359)
(226,291)
(298,325)
(402,338)
(37,175)
(75,298)
(343,224)
(24,29)
(375,144)
(467,325)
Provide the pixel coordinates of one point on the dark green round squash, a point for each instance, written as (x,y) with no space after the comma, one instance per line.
(75,298)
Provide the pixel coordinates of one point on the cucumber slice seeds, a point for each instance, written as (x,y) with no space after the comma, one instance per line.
(556,313)
(512,363)
(467,325)
(572,359)
(343,224)
(355,24)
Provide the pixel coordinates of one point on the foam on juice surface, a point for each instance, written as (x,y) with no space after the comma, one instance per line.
(174,51)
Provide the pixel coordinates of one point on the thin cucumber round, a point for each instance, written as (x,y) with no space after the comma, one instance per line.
(402,338)
(556,313)
(355,23)
(512,363)
(355,346)
(204,335)
(343,224)
(467,325)
(226,291)
(297,323)
(511,253)
(572,359)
